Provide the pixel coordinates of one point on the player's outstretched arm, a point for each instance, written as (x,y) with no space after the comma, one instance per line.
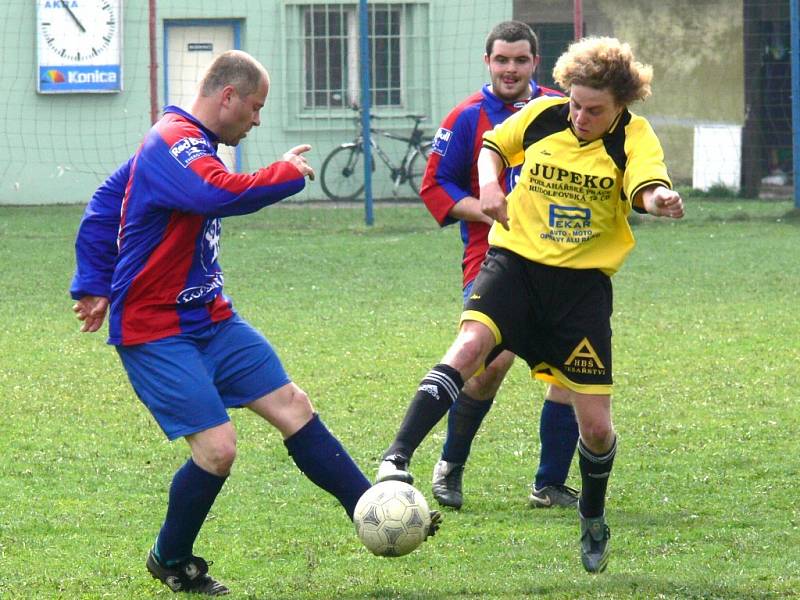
(295,156)
(662,202)
(92,311)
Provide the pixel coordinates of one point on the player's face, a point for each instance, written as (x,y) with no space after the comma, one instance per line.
(592,111)
(243,113)
(511,66)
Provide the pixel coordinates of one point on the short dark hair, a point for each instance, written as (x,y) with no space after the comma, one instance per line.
(512,31)
(235,68)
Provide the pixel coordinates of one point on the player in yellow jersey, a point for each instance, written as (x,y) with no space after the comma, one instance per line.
(544,290)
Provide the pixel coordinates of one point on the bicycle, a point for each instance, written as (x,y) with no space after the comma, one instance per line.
(342,173)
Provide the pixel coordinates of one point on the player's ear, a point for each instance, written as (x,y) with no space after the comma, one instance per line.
(228,92)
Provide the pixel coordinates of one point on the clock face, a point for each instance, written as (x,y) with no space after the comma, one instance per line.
(79,32)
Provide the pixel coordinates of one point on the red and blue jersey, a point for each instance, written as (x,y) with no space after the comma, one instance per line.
(452,172)
(150,236)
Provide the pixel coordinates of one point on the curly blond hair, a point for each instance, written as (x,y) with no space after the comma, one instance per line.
(604,63)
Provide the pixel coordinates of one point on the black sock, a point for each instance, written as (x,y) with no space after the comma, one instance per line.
(435,394)
(594,479)
(463,422)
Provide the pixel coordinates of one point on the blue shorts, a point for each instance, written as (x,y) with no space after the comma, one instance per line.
(467,290)
(188,381)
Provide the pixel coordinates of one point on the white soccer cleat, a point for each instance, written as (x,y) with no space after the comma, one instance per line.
(394,468)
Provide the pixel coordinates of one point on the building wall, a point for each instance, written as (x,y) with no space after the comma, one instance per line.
(696,51)
(60,147)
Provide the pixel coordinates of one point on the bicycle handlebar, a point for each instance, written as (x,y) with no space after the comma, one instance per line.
(416,117)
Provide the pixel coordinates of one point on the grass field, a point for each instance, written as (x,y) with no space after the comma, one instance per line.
(703,499)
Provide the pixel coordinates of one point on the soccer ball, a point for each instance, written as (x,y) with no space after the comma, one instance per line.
(392,518)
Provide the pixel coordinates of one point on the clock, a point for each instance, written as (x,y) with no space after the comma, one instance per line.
(79,45)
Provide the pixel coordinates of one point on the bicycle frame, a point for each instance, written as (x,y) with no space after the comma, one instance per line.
(340,177)
(399,174)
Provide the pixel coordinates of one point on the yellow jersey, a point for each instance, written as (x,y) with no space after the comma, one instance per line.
(571,203)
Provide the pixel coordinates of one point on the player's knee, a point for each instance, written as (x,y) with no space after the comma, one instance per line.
(471,354)
(299,405)
(485,386)
(597,436)
(300,399)
(218,458)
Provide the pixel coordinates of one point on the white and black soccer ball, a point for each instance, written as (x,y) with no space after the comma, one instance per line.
(392,518)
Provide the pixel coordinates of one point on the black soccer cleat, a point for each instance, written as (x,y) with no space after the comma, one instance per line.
(190,575)
(594,543)
(436,523)
(446,484)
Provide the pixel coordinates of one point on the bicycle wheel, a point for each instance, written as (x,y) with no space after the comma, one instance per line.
(342,174)
(416,166)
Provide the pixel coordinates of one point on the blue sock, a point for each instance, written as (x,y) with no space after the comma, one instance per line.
(191,496)
(319,455)
(558,432)
(463,422)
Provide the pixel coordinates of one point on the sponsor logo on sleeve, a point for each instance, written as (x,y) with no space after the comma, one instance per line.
(189,149)
(441,140)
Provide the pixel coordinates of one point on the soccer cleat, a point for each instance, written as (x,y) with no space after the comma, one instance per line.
(191,575)
(447,483)
(553,495)
(436,523)
(594,543)
(394,468)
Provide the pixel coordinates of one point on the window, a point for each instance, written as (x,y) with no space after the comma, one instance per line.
(327,42)
(554,38)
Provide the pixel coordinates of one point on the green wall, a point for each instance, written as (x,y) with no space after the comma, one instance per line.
(60,147)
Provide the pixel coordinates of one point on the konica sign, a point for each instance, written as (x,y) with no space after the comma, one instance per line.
(90,78)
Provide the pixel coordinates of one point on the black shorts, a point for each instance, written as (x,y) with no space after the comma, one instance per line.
(558,320)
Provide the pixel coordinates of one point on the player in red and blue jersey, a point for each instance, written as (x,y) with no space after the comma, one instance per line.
(150,242)
(450,192)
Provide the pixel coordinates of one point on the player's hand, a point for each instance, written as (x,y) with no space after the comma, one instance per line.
(436,522)
(92,311)
(663,202)
(295,156)
(494,204)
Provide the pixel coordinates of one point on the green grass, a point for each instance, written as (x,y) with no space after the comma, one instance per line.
(702,503)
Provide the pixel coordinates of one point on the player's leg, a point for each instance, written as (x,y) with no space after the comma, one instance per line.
(558,435)
(435,394)
(194,489)
(314,449)
(249,373)
(577,354)
(463,421)
(597,447)
(170,378)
